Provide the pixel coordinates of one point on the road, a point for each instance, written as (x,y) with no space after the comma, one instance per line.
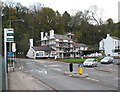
(52,74)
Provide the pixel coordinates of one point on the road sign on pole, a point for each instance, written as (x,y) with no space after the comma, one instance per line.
(9,34)
(13,47)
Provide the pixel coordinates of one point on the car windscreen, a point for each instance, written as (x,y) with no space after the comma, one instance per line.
(89,60)
(106,58)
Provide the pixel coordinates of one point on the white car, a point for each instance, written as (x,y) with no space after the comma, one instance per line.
(90,62)
(107,60)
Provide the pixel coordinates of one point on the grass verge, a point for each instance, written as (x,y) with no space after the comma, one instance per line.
(76,60)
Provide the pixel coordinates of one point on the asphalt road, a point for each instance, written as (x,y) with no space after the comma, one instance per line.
(52,74)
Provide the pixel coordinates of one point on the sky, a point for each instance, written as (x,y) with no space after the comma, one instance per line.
(108,7)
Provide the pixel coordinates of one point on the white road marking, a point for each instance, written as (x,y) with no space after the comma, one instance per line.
(55,65)
(92,79)
(22,67)
(57,69)
(88,78)
(45,72)
(44,65)
(31,70)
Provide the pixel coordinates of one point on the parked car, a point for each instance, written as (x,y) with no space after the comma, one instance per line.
(107,60)
(90,62)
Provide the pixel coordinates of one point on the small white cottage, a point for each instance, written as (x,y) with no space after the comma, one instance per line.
(110,45)
(39,52)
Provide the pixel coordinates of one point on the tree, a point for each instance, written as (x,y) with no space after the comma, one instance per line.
(66,18)
(49,19)
(96,14)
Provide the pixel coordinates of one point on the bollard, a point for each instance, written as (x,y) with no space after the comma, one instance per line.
(71,67)
(80,66)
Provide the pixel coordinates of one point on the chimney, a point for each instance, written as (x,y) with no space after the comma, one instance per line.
(108,35)
(31,42)
(42,35)
(51,34)
(46,34)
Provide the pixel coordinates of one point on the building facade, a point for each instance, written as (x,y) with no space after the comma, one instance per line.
(36,52)
(64,45)
(110,45)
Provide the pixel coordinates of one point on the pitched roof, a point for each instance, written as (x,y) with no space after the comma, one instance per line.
(42,48)
(115,38)
(62,37)
(79,44)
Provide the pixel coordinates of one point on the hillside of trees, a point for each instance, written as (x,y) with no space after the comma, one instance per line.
(85,25)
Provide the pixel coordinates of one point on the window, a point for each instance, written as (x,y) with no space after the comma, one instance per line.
(45,42)
(40,53)
(37,54)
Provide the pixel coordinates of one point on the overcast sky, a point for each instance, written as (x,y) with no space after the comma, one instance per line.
(109,7)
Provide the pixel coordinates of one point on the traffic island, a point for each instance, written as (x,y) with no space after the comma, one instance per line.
(77,75)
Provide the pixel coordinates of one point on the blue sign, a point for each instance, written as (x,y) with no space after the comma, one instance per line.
(10,55)
(80,65)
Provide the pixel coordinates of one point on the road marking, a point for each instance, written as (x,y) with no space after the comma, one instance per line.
(44,65)
(92,79)
(57,69)
(88,78)
(22,67)
(54,65)
(40,71)
(31,70)
(45,72)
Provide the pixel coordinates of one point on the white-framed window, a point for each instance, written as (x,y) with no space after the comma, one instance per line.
(40,53)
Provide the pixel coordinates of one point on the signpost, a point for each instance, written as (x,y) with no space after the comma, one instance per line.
(13,50)
(8,37)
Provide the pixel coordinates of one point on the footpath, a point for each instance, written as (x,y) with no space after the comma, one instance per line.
(22,81)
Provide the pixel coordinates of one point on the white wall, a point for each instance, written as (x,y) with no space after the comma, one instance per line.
(108,45)
(31,53)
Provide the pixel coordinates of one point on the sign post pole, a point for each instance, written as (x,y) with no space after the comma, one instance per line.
(13,50)
(8,37)
(5,54)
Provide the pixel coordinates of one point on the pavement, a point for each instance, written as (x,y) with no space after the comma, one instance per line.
(22,81)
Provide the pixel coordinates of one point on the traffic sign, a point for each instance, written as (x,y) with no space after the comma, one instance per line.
(13,47)
(10,39)
(80,65)
(9,35)
(10,55)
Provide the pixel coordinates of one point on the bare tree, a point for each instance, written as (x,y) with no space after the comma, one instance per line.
(35,7)
(96,14)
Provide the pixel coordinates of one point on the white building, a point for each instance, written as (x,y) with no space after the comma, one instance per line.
(110,45)
(62,44)
(40,51)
